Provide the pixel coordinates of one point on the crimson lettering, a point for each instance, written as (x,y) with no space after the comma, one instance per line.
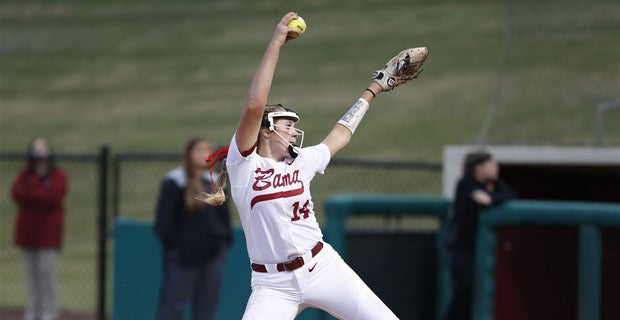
(262,179)
(266,178)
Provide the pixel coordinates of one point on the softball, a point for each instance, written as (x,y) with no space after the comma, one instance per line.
(299,24)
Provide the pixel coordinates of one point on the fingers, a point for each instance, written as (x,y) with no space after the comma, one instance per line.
(288,17)
(281,34)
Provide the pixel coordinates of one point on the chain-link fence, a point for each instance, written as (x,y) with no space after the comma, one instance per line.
(133,189)
(138,177)
(77,263)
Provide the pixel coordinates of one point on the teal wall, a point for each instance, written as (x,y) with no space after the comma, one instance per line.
(137,256)
(138,269)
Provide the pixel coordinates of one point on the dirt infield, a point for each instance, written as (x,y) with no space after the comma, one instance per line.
(17,314)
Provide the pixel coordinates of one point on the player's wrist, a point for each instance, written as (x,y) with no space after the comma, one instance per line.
(374,95)
(275,45)
(375,88)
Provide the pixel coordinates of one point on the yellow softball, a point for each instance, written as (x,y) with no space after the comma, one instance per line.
(299,24)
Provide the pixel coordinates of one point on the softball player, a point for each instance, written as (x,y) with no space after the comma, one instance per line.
(292,267)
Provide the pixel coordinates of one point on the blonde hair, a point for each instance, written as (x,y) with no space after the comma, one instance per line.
(218,197)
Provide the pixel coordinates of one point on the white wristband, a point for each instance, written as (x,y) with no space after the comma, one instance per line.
(354,116)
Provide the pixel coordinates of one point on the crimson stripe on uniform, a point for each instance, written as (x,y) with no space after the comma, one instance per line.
(276,195)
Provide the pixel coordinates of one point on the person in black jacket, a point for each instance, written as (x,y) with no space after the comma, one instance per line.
(195,238)
(478,188)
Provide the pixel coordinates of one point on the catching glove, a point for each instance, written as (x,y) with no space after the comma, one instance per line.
(403,67)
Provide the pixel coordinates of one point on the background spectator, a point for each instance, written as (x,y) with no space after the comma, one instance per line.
(478,188)
(39,191)
(195,238)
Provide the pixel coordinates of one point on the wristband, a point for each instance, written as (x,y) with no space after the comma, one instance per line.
(354,116)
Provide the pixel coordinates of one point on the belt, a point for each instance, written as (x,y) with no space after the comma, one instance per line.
(290,265)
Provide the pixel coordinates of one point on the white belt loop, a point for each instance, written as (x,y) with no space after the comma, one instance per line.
(271,268)
(307,257)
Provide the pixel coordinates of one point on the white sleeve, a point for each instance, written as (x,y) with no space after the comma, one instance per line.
(317,157)
(238,166)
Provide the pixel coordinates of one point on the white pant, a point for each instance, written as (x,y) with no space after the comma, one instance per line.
(326,283)
(40,265)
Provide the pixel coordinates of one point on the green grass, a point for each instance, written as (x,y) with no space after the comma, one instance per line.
(146,75)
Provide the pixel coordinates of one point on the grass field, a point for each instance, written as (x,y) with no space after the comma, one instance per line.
(146,75)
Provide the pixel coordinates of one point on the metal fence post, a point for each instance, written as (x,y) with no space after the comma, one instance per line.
(598,119)
(589,273)
(102,231)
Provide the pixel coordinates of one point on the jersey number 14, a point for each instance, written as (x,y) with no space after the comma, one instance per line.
(302,212)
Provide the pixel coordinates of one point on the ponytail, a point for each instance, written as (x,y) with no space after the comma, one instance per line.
(218,197)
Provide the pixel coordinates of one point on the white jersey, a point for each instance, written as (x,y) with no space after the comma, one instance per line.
(274,202)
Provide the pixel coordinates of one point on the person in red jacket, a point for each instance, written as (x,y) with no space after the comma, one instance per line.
(39,192)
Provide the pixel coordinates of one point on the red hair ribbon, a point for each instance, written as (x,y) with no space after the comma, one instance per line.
(215,157)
